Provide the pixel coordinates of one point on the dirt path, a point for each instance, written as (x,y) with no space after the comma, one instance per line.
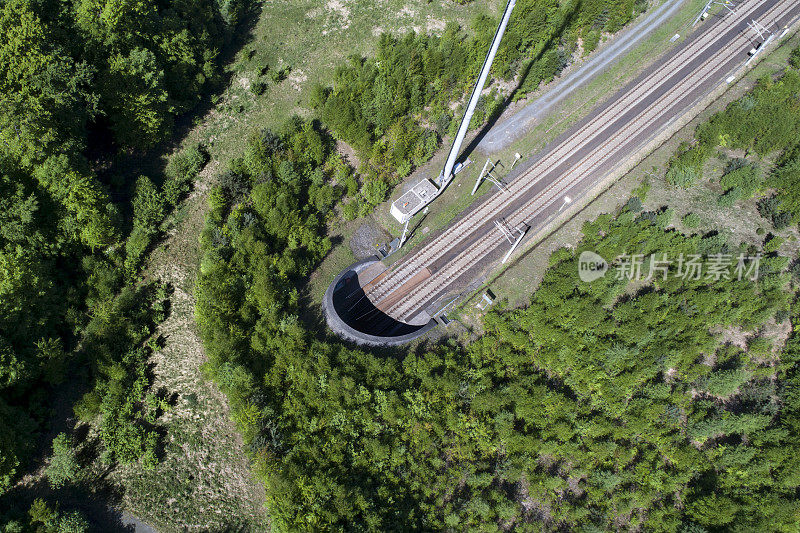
(204,481)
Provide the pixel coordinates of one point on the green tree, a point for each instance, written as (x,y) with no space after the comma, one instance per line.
(63,466)
(47,95)
(136,99)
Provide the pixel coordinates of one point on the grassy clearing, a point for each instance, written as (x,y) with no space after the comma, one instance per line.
(310,38)
(203,481)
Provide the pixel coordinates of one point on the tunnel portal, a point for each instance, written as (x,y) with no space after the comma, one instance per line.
(351,315)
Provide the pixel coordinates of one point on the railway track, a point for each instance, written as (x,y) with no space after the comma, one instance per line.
(604,139)
(582,170)
(518,186)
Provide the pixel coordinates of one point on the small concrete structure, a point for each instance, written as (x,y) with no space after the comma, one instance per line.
(413,201)
(485,302)
(351,315)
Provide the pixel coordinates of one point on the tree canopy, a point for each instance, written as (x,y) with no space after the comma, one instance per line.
(81,82)
(614,404)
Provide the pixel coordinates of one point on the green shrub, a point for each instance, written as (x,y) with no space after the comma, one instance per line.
(50,520)
(686,167)
(740,181)
(730,197)
(148,205)
(713,510)
(181,172)
(590,41)
(374,192)
(218,205)
(634,204)
(644,188)
(73,522)
(63,466)
(691,220)
(769,208)
(350,210)
(278,75)
(794,59)
(664,218)
(759,346)
(135,247)
(723,383)
(772,243)
(258,87)
(561,254)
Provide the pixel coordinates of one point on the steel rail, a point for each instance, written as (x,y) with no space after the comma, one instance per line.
(673,97)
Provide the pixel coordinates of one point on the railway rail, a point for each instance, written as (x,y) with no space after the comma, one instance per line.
(584,154)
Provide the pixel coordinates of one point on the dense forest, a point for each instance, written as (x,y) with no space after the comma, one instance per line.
(90,86)
(663,404)
(667,405)
(84,85)
(394,108)
(609,404)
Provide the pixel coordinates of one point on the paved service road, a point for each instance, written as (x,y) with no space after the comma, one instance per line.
(577,160)
(510,129)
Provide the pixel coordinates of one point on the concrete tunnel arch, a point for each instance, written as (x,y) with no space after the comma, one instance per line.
(352,316)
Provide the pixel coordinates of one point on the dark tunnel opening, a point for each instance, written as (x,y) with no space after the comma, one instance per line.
(350,314)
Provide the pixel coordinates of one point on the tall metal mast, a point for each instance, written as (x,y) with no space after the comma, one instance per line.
(423,193)
(447,173)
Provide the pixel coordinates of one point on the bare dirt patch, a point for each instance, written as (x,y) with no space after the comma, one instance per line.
(349,153)
(433,25)
(338,14)
(297,79)
(366,240)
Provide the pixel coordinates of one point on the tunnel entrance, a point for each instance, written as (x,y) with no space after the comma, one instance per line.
(351,315)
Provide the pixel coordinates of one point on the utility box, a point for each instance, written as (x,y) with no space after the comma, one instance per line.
(413,201)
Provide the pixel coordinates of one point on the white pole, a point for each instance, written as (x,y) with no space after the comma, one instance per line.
(519,239)
(405,230)
(480,177)
(755,28)
(447,173)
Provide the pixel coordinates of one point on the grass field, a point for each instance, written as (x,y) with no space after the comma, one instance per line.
(310,38)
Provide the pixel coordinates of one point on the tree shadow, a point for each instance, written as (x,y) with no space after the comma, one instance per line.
(153,162)
(95,497)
